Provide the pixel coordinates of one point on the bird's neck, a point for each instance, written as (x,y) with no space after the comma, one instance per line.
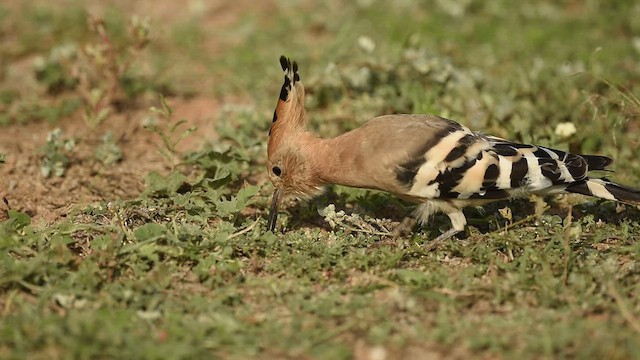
(335,160)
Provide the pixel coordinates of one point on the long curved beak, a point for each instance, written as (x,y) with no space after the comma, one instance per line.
(273,212)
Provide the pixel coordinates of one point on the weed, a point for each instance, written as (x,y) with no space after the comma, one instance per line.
(102,67)
(98,70)
(52,71)
(209,195)
(108,152)
(168,131)
(55,154)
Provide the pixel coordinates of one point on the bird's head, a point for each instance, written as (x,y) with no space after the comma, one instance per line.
(288,160)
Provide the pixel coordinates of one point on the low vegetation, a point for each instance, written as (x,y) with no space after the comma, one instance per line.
(186,268)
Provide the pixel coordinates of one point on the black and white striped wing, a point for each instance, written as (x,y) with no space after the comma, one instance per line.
(467,165)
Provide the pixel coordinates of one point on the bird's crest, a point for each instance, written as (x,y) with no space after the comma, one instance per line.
(289,115)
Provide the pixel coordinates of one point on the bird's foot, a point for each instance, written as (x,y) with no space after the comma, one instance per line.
(404,228)
(433,244)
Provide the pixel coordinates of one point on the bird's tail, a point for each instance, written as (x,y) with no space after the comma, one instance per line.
(606,189)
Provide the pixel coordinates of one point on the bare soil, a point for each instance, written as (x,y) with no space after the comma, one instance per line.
(87,180)
(23,188)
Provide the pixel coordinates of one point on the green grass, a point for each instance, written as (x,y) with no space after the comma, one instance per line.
(188,270)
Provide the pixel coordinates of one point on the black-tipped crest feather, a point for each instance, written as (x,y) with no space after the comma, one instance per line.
(291,76)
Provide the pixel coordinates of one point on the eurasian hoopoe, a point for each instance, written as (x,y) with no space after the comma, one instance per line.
(425,159)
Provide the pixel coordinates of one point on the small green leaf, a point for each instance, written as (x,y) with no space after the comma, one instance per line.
(246,194)
(108,152)
(161,185)
(236,203)
(408,277)
(20,219)
(173,127)
(102,115)
(168,111)
(149,231)
(227,207)
(16,223)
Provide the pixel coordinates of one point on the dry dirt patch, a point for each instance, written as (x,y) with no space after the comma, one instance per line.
(87,180)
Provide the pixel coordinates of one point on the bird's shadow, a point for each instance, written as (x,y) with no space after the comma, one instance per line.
(485,219)
(362,202)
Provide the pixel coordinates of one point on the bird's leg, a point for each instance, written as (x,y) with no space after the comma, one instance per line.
(458,223)
(445,235)
(405,227)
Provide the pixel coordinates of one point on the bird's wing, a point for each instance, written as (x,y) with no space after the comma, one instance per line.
(456,163)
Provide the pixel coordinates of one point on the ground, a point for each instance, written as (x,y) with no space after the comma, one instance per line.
(150,244)
(49,199)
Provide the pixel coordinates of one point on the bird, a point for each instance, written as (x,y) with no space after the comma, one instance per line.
(436,163)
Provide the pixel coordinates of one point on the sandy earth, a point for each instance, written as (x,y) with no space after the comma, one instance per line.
(22,186)
(87,180)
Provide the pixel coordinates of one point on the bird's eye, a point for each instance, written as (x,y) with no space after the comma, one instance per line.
(276,171)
